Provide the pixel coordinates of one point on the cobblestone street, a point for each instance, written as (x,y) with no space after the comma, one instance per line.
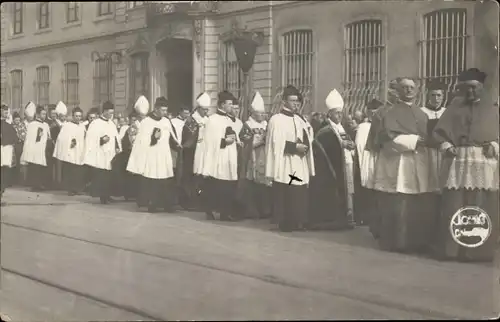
(66,258)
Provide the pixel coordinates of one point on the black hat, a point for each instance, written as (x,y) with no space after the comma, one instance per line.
(39,109)
(15,115)
(108,106)
(225,96)
(5,107)
(436,86)
(76,110)
(51,107)
(93,110)
(161,102)
(472,74)
(374,104)
(290,90)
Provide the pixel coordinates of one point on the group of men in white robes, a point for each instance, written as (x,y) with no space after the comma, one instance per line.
(416,165)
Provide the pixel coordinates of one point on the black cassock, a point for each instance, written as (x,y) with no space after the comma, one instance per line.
(9,137)
(328,188)
(187,182)
(54,167)
(124,183)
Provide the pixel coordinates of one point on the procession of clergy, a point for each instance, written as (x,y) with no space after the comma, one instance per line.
(404,171)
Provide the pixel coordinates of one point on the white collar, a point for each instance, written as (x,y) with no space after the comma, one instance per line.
(337,127)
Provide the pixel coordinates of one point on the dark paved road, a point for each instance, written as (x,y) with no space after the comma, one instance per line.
(68,258)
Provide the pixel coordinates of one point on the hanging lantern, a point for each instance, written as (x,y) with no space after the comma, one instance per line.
(245,47)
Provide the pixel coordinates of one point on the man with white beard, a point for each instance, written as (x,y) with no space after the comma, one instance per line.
(69,149)
(220,160)
(34,150)
(151,158)
(101,146)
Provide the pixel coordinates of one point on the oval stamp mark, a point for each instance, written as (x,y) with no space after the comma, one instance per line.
(470,227)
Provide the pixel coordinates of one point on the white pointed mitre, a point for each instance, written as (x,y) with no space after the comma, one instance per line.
(204,100)
(61,108)
(142,105)
(30,109)
(258,103)
(334,101)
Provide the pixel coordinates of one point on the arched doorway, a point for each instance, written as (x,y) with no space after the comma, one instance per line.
(178,55)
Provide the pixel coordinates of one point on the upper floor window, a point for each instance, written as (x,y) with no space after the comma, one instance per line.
(16,77)
(71,82)
(135,4)
(232,76)
(43,15)
(104,8)
(296,61)
(103,81)
(443,48)
(42,85)
(17,21)
(139,76)
(72,12)
(363,63)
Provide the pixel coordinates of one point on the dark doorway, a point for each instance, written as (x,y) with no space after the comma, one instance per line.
(179,65)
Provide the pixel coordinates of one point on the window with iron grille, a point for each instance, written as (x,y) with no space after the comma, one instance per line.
(16,77)
(296,61)
(104,8)
(135,4)
(443,48)
(43,15)
(103,81)
(42,85)
(139,76)
(364,68)
(232,76)
(17,18)
(72,12)
(71,82)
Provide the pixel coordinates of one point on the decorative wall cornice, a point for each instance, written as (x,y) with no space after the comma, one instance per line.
(242,32)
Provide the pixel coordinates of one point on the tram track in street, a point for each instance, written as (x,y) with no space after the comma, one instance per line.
(112,304)
(383,303)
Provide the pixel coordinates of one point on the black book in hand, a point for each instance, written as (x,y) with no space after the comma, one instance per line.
(39,134)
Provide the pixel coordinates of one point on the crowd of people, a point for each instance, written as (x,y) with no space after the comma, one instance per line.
(403,170)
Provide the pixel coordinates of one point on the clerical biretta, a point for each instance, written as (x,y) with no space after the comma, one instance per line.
(220,160)
(329,189)
(289,156)
(468,133)
(101,146)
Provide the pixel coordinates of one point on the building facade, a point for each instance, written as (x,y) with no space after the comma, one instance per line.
(85,53)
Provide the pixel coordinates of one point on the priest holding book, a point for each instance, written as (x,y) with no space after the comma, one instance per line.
(288,157)
(151,158)
(69,150)
(101,146)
